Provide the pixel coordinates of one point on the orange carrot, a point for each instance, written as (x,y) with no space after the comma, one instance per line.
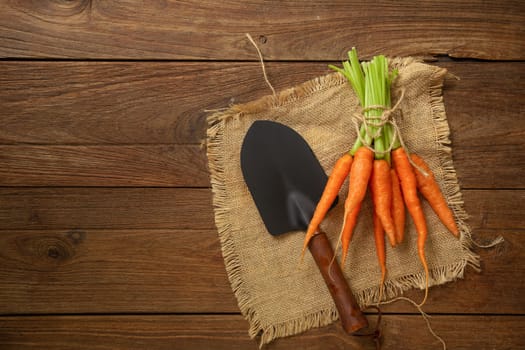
(333,185)
(359,176)
(409,188)
(379,237)
(398,207)
(349,223)
(381,187)
(429,188)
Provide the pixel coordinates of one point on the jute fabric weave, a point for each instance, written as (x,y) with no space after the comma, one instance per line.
(278,295)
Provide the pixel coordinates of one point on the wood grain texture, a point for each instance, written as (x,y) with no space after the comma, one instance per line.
(184,208)
(230,332)
(97,271)
(128,102)
(76,105)
(107,235)
(186,165)
(164,102)
(101,102)
(486,118)
(141,165)
(497,291)
(124,208)
(182,271)
(285,30)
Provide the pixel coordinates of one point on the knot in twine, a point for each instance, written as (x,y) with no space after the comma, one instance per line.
(379,122)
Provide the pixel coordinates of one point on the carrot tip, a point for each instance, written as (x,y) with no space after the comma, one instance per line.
(392,238)
(302,254)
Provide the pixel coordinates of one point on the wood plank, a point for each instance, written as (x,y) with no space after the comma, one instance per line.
(120,208)
(230,332)
(182,271)
(493,115)
(140,165)
(78,271)
(484,124)
(186,165)
(183,208)
(288,30)
(127,102)
(494,210)
(101,102)
(493,165)
(480,100)
(498,288)
(164,102)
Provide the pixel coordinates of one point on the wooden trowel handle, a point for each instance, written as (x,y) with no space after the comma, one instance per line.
(352,319)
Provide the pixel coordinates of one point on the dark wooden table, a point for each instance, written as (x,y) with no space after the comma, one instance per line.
(107,237)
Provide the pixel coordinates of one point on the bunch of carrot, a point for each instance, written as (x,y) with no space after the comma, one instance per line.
(377,161)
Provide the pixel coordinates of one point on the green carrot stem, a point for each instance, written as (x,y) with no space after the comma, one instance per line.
(386,144)
(371,82)
(390,131)
(363,136)
(375,96)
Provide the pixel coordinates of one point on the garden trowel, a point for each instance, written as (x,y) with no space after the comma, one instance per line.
(286,182)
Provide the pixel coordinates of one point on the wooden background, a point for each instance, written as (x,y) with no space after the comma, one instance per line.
(107,238)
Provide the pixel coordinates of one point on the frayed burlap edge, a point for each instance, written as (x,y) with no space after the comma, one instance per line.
(392,288)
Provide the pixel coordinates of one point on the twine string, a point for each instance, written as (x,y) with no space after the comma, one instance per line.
(386,117)
(375,334)
(262,65)
(378,122)
(425,316)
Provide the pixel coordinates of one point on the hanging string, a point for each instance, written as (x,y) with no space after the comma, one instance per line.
(262,65)
(425,316)
(375,334)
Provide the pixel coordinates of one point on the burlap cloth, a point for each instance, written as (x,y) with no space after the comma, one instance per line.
(278,295)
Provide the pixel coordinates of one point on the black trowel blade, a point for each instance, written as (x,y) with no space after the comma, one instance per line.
(283,175)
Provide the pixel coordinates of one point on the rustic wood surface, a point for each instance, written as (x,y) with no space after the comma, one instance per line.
(107,236)
(229,332)
(290,30)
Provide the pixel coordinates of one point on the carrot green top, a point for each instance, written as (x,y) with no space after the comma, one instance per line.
(371,82)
